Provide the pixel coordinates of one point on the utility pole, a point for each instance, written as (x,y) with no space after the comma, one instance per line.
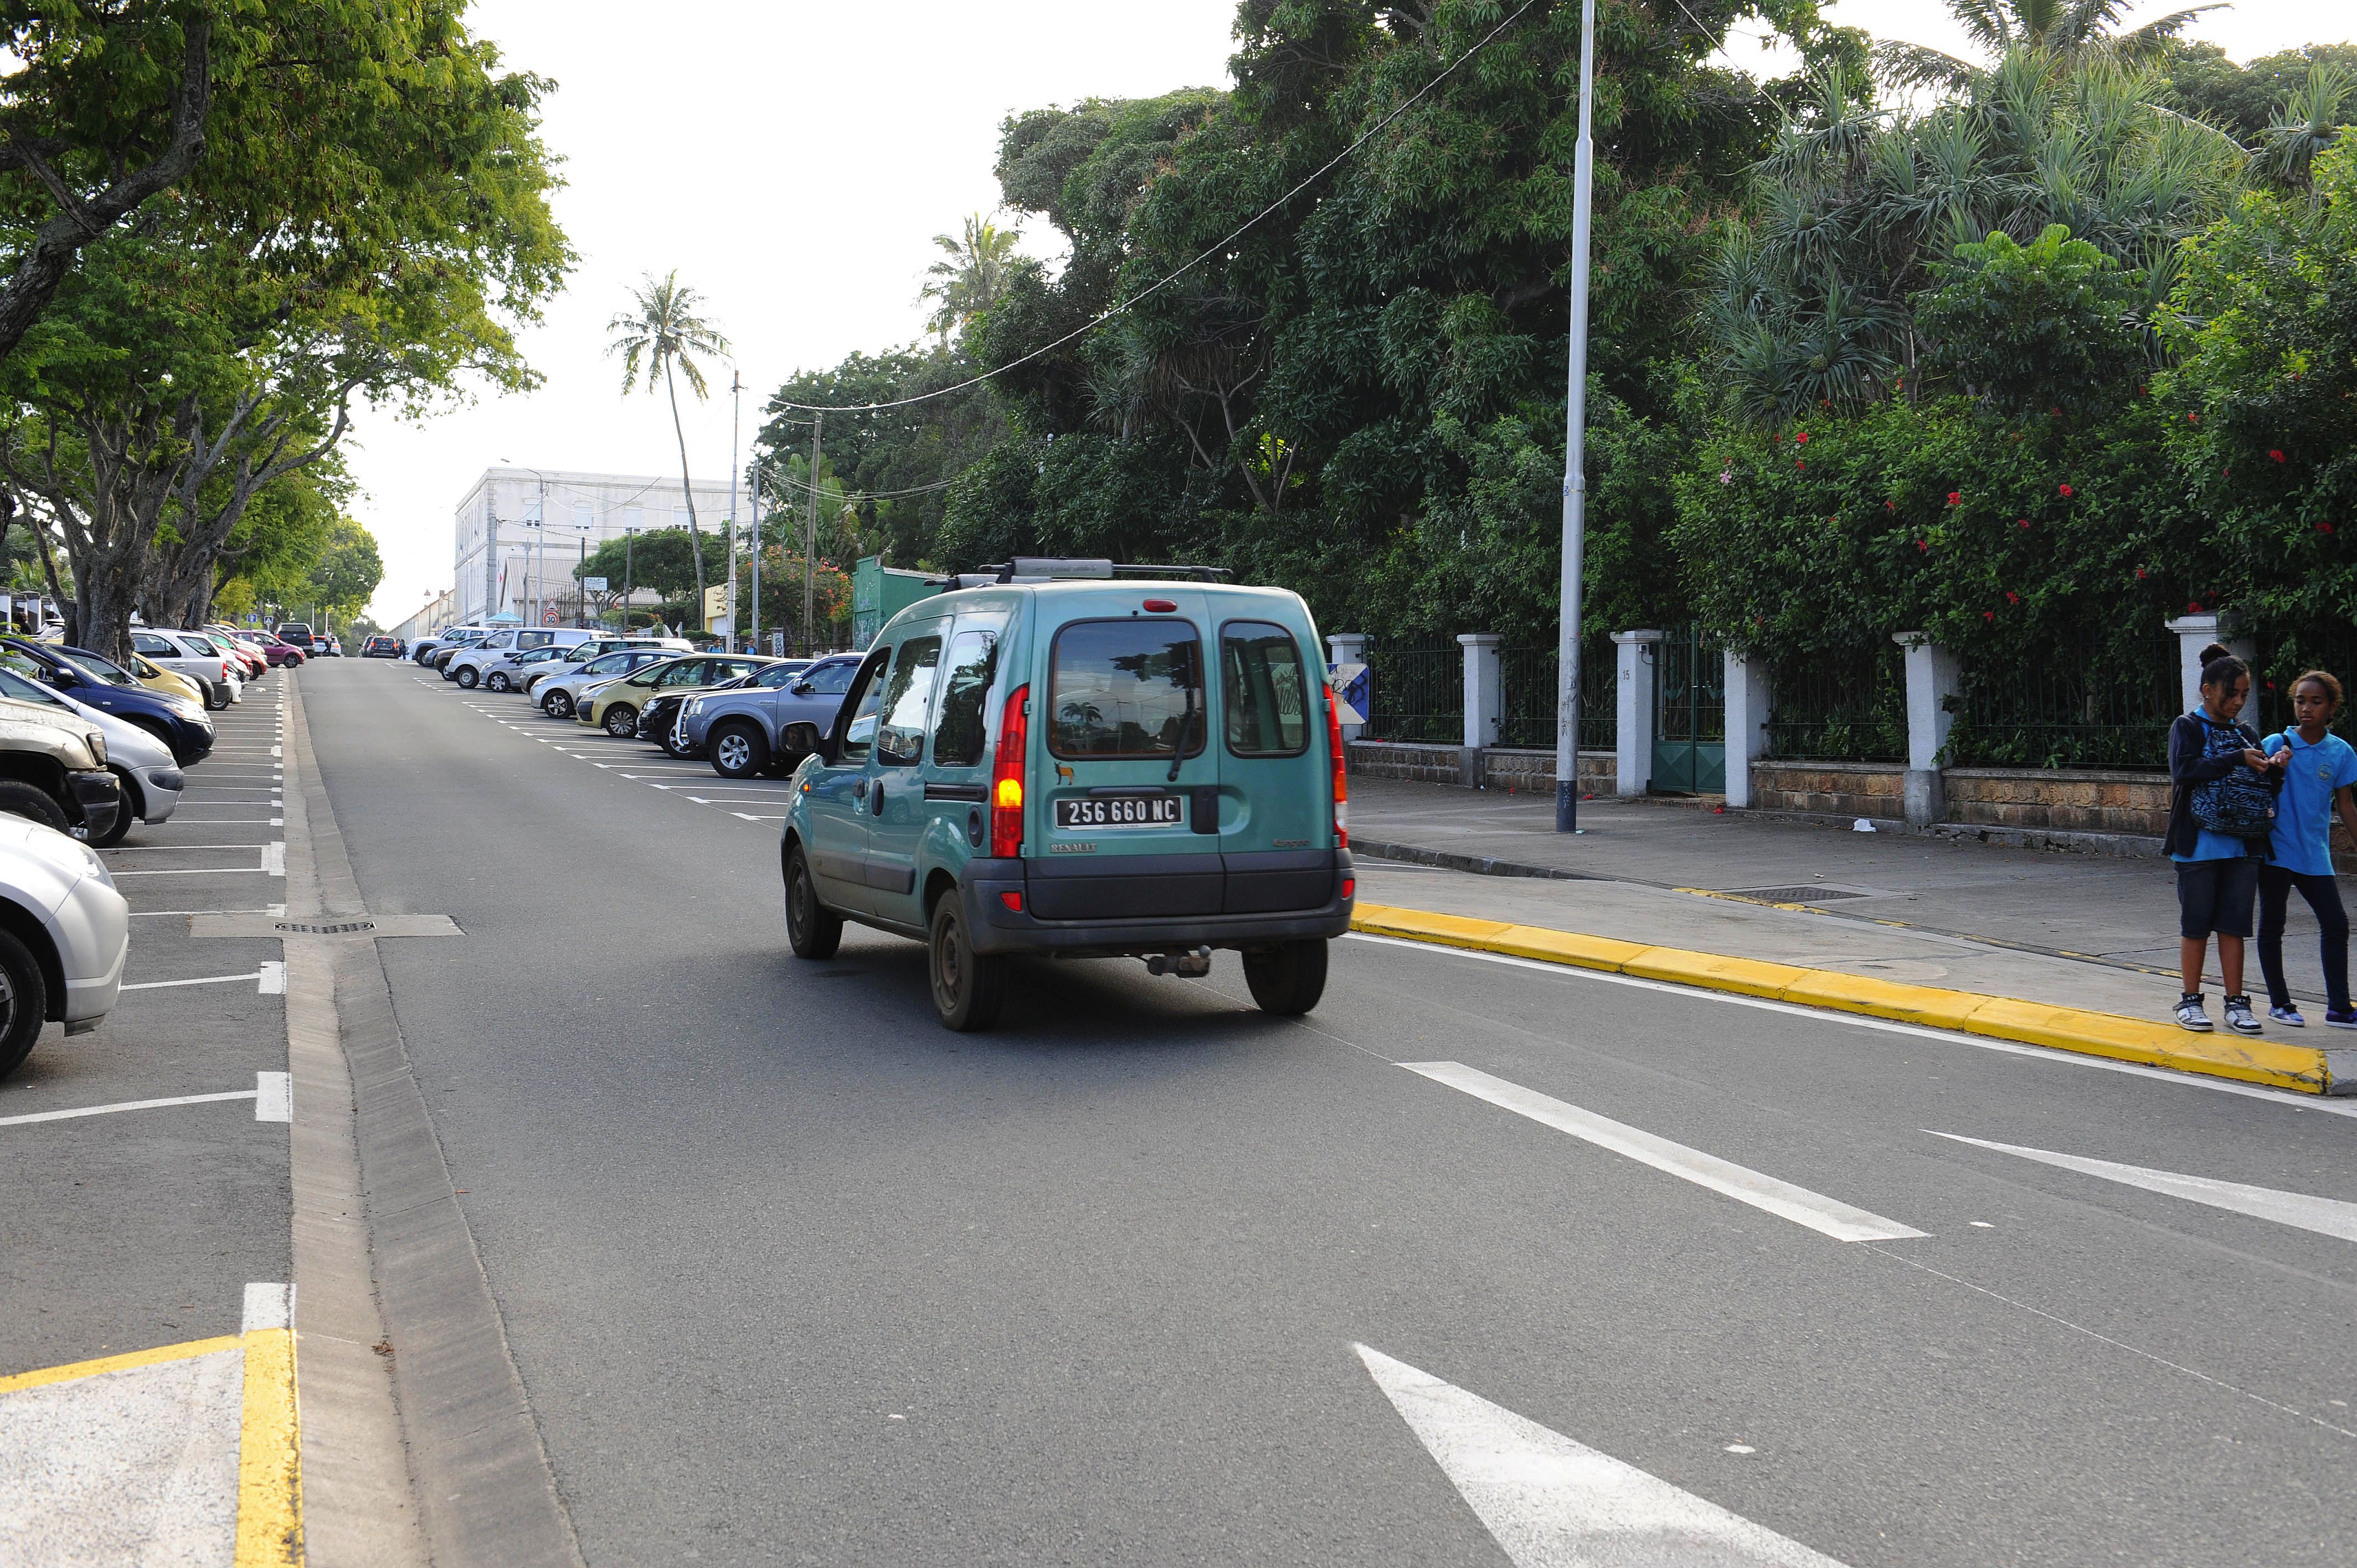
(735,429)
(756,555)
(581,599)
(810,539)
(630,543)
(1575,475)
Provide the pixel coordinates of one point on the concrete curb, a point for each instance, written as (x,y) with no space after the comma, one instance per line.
(2305,1069)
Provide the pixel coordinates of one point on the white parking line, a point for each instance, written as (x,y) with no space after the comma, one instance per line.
(1550,1502)
(2325,1216)
(272,977)
(273,1097)
(207,979)
(124,1105)
(274,857)
(276,911)
(1827,1217)
(750,818)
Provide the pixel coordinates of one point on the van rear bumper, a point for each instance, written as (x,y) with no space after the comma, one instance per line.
(992,927)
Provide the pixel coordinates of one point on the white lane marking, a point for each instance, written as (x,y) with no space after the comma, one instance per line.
(158,848)
(150,914)
(199,871)
(274,857)
(273,751)
(1565,972)
(1550,1502)
(272,977)
(1826,1216)
(207,979)
(2325,1216)
(750,818)
(267,1307)
(273,1097)
(123,1105)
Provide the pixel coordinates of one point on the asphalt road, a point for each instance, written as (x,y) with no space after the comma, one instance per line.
(793,1275)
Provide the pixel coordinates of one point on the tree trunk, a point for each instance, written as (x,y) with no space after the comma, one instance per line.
(695,536)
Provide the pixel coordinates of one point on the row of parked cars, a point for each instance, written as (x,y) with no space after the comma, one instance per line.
(88,747)
(745,713)
(1052,757)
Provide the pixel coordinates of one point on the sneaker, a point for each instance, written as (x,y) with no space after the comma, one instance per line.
(2289,1014)
(2239,1017)
(2189,1014)
(2341,1020)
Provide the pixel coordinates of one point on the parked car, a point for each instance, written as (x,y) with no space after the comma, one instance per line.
(53,769)
(142,765)
(424,646)
(276,651)
(754,728)
(1084,782)
(614,707)
(658,720)
(468,666)
(382,648)
(181,724)
(65,932)
(166,681)
(297,635)
(251,663)
(184,654)
(440,658)
(508,672)
(559,695)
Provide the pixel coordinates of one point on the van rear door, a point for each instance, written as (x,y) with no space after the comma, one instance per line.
(1130,792)
(1278,843)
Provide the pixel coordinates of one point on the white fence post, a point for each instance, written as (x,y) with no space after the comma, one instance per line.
(1484,699)
(2194,634)
(1935,675)
(1634,739)
(1747,724)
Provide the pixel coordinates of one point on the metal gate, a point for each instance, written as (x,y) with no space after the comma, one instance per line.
(1689,714)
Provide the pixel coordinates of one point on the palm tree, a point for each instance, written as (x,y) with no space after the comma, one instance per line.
(659,337)
(2066,31)
(973,278)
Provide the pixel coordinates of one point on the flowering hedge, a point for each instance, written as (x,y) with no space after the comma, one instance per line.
(2002,536)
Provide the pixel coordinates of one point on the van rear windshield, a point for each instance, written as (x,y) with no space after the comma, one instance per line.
(1262,690)
(1126,687)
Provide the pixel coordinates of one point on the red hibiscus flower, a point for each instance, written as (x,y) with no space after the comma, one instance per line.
(1925,545)
(1955,497)
(2023,520)
(1988,615)
(2323,528)
(2276,453)
(1802,438)
(1800,462)
(2067,491)
(2011,598)
(2139,574)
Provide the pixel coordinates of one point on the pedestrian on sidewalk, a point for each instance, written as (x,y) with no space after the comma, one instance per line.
(2221,813)
(2318,768)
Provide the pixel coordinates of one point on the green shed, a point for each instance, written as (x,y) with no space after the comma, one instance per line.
(878,592)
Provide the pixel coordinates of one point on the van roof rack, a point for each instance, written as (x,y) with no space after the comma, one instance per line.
(1050,568)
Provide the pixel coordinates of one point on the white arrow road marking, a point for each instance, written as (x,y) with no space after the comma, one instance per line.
(1797,1204)
(1553,1503)
(2325,1216)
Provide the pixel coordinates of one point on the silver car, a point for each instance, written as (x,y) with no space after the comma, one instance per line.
(557,697)
(150,776)
(63,944)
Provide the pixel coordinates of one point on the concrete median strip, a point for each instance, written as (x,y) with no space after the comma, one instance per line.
(2307,1069)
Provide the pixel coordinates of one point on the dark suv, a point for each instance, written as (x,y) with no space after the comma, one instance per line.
(299,636)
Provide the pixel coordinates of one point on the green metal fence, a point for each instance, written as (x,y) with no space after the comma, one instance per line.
(1840,710)
(1416,695)
(1529,676)
(2070,706)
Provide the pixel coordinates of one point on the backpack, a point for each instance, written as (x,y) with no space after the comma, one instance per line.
(2241,804)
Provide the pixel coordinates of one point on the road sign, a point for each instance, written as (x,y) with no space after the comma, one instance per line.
(1350,693)
(593,585)
(548,616)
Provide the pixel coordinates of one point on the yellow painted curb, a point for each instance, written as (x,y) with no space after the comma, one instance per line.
(2303,1068)
(269,1454)
(72,1370)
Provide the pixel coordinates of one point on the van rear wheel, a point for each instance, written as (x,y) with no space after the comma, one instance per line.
(812,931)
(969,988)
(1287,979)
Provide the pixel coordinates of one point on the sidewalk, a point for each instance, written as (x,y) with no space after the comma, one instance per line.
(2075,930)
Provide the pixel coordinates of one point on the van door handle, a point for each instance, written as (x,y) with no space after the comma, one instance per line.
(879,797)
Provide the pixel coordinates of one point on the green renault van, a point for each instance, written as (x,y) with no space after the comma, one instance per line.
(1061,759)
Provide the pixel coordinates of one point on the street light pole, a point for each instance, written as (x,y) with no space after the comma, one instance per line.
(630,543)
(1575,477)
(809,538)
(735,429)
(756,555)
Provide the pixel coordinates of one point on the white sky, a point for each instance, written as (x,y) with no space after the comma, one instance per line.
(685,143)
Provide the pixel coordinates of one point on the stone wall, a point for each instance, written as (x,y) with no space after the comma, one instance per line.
(1830,788)
(1502,768)
(2067,800)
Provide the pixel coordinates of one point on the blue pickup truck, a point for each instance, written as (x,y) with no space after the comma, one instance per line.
(753,728)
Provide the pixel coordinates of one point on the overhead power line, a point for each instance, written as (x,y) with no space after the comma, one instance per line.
(1148,293)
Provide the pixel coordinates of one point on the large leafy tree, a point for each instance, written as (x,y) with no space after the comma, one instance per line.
(659,339)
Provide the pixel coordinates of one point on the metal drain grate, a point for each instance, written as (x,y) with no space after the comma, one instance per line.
(340,928)
(1811,895)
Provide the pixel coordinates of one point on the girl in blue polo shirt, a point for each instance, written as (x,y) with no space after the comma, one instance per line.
(2318,768)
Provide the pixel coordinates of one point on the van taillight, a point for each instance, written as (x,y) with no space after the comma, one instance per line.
(1007,778)
(1342,777)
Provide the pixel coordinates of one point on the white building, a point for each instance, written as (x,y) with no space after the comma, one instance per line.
(523,530)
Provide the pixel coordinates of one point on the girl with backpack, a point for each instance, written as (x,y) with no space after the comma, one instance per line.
(2318,768)
(2221,813)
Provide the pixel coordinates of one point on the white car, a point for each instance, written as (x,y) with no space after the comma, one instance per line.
(150,776)
(220,677)
(63,940)
(468,666)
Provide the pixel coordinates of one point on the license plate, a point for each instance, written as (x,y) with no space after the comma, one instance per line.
(1142,811)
